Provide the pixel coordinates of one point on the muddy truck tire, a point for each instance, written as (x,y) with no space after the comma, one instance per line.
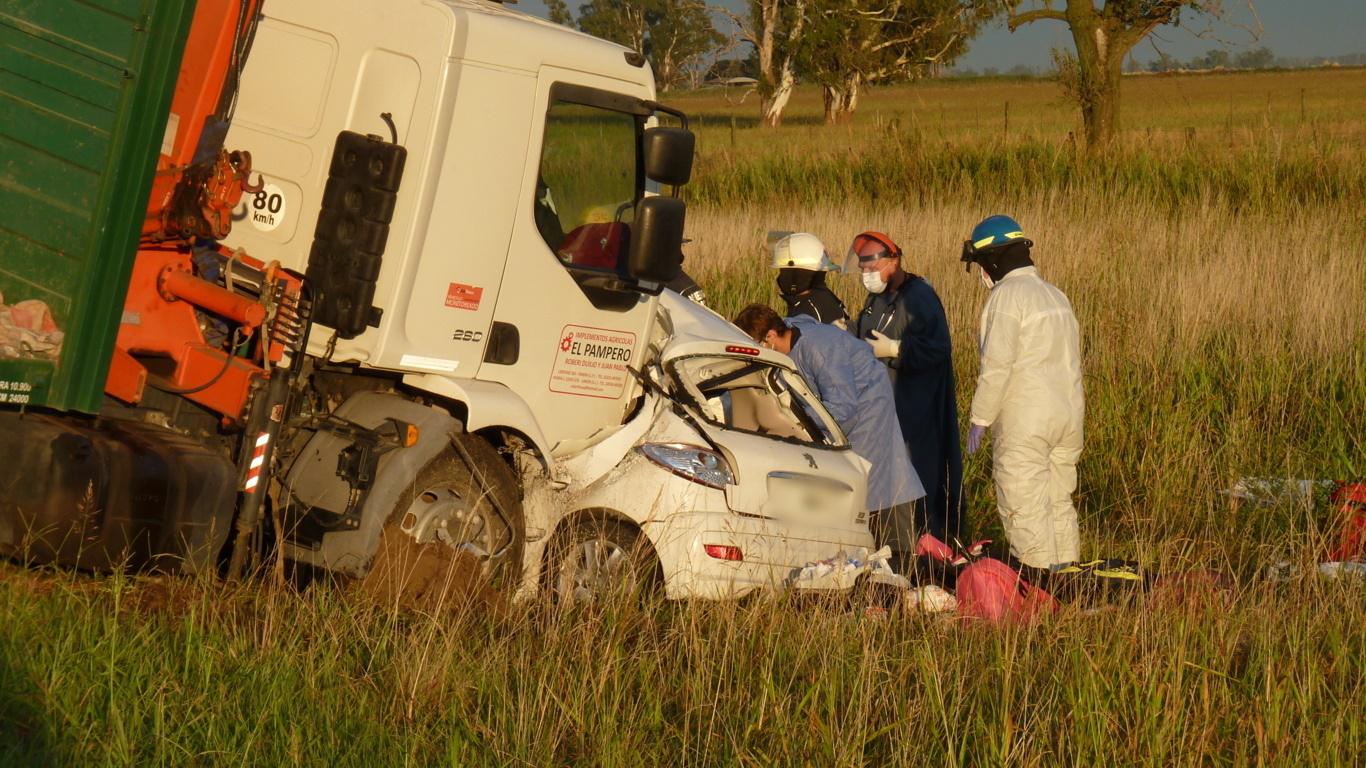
(455,536)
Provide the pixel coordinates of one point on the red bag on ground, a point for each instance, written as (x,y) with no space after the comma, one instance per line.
(989,589)
(1351,543)
(986,587)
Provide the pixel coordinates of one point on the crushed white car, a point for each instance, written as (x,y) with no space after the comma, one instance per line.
(729,477)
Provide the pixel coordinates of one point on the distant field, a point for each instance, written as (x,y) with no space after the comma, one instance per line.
(1220,283)
(1255,140)
(953,109)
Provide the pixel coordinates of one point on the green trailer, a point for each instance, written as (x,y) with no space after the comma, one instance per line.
(85,89)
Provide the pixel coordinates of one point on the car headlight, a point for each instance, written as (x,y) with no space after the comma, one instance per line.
(700,465)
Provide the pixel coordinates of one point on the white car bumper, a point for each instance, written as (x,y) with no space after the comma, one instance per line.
(771,551)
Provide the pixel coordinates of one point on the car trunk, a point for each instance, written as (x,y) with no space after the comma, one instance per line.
(790,460)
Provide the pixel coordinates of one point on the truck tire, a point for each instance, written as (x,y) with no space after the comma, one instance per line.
(445,542)
(597,557)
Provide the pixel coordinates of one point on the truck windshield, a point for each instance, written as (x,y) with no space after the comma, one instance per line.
(756,397)
(588,184)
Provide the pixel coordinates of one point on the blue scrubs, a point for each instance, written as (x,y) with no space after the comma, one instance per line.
(854,388)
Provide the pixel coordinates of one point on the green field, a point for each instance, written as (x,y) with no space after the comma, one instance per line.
(1254,141)
(1219,275)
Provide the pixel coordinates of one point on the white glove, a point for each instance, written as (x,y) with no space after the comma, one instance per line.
(884,347)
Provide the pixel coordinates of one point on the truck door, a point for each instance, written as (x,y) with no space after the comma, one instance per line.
(579,326)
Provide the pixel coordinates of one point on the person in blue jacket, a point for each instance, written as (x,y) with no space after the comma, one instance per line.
(854,388)
(903,323)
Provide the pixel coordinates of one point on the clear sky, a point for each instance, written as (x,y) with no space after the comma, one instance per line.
(1296,28)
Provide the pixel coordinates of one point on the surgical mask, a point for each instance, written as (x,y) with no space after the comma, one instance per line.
(873,282)
(986,279)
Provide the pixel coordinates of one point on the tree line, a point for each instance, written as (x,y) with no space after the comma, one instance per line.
(844,46)
(840,45)
(1260,57)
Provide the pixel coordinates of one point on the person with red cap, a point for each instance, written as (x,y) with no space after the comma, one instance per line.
(903,321)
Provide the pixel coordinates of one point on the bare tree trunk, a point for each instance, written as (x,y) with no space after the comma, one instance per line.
(763,45)
(1102,118)
(668,73)
(852,82)
(776,80)
(1100,65)
(773,106)
(833,98)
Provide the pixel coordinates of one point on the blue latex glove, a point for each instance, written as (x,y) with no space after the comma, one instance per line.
(975,435)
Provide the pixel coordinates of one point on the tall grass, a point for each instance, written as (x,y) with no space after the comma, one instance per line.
(91,674)
(1222,297)
(899,166)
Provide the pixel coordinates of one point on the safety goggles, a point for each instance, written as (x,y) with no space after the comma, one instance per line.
(864,258)
(971,253)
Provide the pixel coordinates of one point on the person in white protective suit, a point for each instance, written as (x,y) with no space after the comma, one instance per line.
(1029,393)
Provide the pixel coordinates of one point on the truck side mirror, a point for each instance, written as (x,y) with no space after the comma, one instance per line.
(668,155)
(656,250)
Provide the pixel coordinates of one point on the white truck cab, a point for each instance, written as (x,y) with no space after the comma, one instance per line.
(464,188)
(503,116)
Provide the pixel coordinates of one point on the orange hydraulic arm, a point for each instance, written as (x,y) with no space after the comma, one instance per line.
(204,325)
(215,52)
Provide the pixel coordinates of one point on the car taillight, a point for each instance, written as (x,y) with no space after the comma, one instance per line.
(739,350)
(723,552)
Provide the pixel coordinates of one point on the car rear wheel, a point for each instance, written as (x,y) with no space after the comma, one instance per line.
(597,558)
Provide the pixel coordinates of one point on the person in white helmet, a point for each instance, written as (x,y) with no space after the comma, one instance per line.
(802,262)
(1029,394)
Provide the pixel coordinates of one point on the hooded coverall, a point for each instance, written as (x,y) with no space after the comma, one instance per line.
(853,386)
(1029,392)
(922,378)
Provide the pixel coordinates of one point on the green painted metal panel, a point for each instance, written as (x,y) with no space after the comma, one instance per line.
(85,88)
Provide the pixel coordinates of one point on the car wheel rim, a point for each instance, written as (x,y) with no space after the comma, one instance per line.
(595,568)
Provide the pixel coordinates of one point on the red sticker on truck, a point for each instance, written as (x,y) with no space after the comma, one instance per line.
(463,296)
(592,362)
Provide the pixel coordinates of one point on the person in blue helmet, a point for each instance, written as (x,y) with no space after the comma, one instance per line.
(1029,394)
(853,386)
(903,322)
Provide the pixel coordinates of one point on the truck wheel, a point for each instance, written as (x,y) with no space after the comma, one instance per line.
(446,542)
(597,557)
